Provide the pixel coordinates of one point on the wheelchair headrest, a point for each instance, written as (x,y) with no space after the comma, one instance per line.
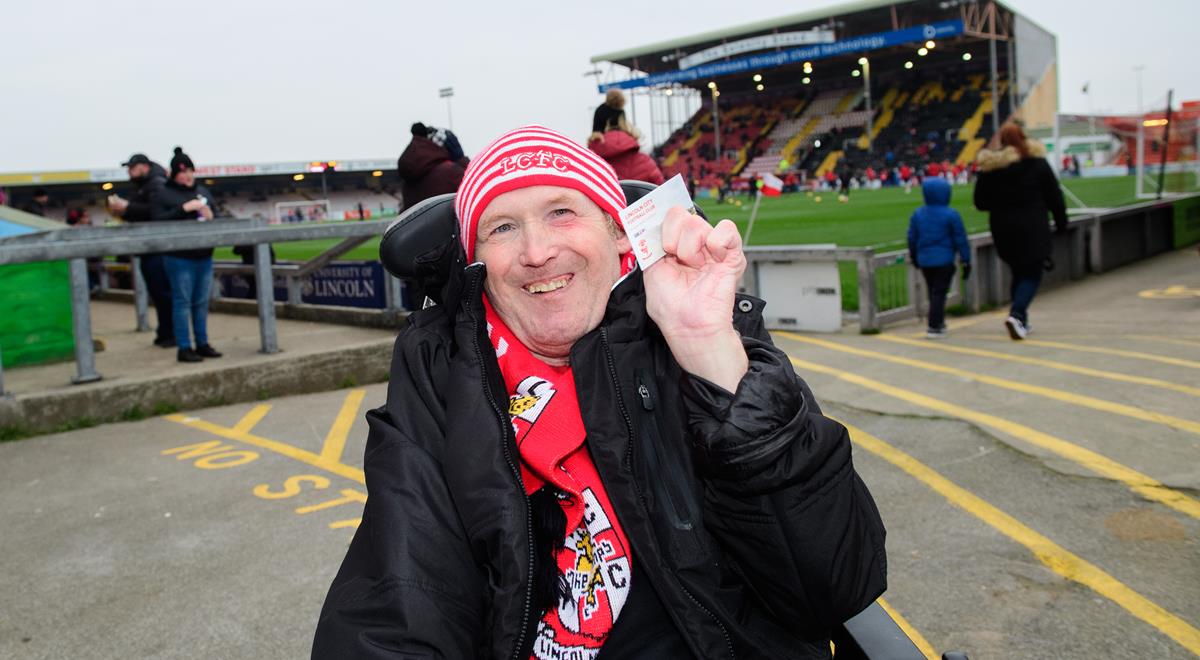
(422,244)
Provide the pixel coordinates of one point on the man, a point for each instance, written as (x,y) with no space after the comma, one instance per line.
(427,168)
(37,206)
(578,459)
(188,271)
(147,177)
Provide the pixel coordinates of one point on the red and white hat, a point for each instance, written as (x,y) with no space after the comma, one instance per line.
(532,156)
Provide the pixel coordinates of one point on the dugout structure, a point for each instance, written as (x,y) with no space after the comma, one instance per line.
(873,45)
(35,301)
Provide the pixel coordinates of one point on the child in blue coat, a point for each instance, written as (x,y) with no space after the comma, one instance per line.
(935,233)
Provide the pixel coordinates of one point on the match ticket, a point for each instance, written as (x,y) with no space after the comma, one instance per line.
(644,218)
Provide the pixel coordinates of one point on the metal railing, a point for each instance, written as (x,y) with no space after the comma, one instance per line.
(889,288)
(77,244)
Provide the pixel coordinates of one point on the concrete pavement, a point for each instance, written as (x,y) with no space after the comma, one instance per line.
(1042,498)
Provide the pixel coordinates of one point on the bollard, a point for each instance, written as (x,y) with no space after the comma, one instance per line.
(141,298)
(81,312)
(266,298)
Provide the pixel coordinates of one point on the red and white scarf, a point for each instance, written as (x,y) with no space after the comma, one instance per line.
(595,556)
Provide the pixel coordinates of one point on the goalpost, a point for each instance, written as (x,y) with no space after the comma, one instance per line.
(316,210)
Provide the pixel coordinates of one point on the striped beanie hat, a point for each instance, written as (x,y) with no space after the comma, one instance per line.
(532,156)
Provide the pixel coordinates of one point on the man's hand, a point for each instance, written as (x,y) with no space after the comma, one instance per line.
(206,213)
(117,204)
(193,205)
(690,295)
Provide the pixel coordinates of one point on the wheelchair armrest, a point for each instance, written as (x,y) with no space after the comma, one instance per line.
(873,635)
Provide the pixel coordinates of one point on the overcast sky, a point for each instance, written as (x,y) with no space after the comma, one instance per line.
(86,83)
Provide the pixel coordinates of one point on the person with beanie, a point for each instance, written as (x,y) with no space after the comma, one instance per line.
(578,458)
(188,271)
(935,234)
(427,168)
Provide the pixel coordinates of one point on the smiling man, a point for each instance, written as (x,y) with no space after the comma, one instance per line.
(578,459)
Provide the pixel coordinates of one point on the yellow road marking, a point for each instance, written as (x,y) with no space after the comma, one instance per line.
(1179,362)
(1167,340)
(959,324)
(342,524)
(1054,556)
(295,453)
(917,638)
(1038,390)
(1049,364)
(1139,483)
(335,441)
(250,419)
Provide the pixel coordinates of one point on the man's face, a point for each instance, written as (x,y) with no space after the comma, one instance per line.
(186,177)
(552,257)
(138,170)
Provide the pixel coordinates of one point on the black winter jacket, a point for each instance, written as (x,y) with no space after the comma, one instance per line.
(141,202)
(426,170)
(1019,194)
(167,204)
(744,510)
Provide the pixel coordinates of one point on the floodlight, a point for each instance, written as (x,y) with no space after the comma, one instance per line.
(297,177)
(966,57)
(106,186)
(929,44)
(862,60)
(856,73)
(759,87)
(806,80)
(712,85)
(377,173)
(908,65)
(922,51)
(758,77)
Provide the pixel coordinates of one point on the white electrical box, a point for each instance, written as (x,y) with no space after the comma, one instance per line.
(801,295)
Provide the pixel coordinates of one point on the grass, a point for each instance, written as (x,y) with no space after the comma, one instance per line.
(872,218)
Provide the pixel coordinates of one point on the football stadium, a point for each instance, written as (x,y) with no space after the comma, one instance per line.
(1038,489)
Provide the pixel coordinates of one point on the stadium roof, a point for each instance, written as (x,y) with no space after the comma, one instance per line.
(833,26)
(747,28)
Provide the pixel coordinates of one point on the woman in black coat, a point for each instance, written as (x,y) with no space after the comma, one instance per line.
(1018,189)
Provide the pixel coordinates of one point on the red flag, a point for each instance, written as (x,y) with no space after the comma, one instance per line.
(771,185)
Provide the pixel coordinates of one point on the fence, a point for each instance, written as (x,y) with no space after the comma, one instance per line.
(888,288)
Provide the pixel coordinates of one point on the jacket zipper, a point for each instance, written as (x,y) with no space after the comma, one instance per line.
(681,517)
(612,372)
(505,425)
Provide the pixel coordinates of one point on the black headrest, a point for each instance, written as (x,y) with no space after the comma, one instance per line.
(422,244)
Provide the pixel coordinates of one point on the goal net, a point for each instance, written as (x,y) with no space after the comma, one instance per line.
(316,210)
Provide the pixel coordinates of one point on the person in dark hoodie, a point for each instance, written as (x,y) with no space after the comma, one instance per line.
(189,271)
(1018,189)
(39,203)
(147,177)
(426,168)
(935,233)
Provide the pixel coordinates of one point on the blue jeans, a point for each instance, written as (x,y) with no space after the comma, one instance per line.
(191,281)
(1025,284)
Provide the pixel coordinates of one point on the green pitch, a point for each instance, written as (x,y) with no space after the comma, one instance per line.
(875,218)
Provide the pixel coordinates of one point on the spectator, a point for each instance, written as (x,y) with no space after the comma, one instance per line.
(610,114)
(39,203)
(935,233)
(188,271)
(426,168)
(1017,187)
(620,149)
(147,177)
(445,138)
(578,458)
